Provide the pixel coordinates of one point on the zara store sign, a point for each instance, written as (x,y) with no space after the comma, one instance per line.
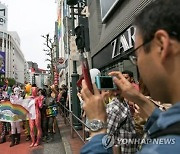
(117,50)
(124,42)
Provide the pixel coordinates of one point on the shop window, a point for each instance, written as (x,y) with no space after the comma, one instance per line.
(5,35)
(118,66)
(5,43)
(129,66)
(1,34)
(8,44)
(1,42)
(108,8)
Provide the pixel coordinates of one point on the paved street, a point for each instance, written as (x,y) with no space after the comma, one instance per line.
(55,147)
(71,145)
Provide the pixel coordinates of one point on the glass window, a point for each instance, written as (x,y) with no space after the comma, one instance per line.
(5,43)
(108,7)
(8,45)
(5,35)
(1,34)
(1,42)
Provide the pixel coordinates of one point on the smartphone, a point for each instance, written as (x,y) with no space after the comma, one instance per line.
(86,73)
(105,83)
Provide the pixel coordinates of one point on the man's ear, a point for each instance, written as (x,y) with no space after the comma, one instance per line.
(163,43)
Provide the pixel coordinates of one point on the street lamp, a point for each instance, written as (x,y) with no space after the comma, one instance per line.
(75,77)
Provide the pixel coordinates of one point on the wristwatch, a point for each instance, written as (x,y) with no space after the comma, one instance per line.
(96,125)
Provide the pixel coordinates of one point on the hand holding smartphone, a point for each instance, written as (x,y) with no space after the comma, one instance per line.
(86,74)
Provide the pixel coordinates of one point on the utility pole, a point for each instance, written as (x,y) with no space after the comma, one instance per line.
(82,42)
(75,77)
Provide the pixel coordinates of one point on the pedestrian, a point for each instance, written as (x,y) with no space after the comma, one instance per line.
(63,100)
(48,117)
(15,125)
(36,123)
(130,77)
(3,128)
(120,123)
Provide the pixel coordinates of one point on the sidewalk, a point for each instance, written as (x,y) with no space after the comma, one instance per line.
(54,147)
(71,145)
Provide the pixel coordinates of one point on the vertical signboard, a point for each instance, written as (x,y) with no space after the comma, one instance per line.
(3,17)
(83,20)
(59,27)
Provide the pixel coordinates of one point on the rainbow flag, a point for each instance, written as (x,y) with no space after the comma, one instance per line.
(22,110)
(59,23)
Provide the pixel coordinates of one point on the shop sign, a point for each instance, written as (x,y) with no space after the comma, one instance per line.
(124,42)
(61,60)
(3,17)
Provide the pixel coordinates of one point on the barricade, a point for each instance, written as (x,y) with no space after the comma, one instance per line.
(116,148)
(69,119)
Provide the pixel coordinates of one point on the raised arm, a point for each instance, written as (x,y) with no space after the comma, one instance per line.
(130,93)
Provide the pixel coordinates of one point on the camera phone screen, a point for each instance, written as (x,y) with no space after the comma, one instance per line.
(106,82)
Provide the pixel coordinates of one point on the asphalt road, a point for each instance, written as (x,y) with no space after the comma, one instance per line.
(54,147)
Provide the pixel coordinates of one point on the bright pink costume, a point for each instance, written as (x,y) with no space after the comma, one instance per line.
(36,122)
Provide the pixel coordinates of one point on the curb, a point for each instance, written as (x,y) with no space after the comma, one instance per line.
(63,132)
(67,146)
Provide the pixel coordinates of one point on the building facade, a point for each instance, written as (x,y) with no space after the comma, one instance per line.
(36,75)
(10,52)
(112,33)
(68,20)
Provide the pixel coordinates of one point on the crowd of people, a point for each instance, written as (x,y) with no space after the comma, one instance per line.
(40,128)
(147,110)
